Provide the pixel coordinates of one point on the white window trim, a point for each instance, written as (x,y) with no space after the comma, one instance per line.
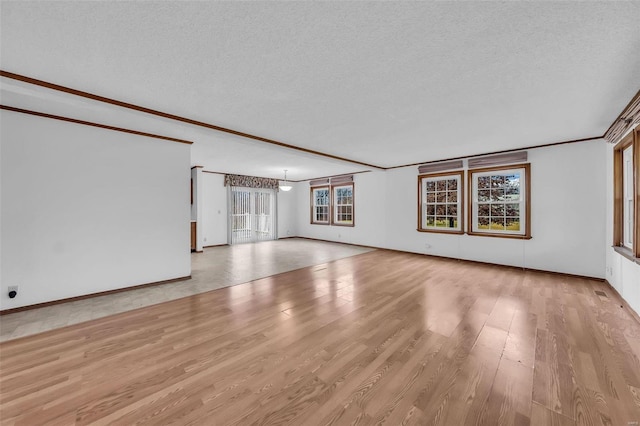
(422,182)
(335,206)
(314,217)
(627,197)
(523,169)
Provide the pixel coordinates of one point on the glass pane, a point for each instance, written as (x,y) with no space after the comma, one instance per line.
(431,209)
(452,210)
(497,181)
(431,221)
(441,197)
(483,209)
(321,197)
(497,210)
(431,186)
(431,197)
(484,182)
(322,214)
(441,209)
(512,179)
(483,195)
(441,222)
(512,209)
(452,184)
(513,224)
(452,196)
(483,223)
(441,185)
(450,222)
(512,193)
(497,224)
(344,195)
(497,194)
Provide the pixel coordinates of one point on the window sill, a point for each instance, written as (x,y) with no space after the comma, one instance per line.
(512,236)
(350,225)
(439,231)
(626,253)
(320,223)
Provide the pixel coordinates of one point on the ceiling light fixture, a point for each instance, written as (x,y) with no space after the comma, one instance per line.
(285,186)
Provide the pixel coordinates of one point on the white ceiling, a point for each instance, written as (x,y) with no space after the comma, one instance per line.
(384,83)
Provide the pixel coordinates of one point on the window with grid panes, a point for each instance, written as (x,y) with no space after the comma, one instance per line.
(626,214)
(343,205)
(440,202)
(500,201)
(320,205)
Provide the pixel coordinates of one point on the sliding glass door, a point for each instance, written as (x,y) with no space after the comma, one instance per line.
(252,215)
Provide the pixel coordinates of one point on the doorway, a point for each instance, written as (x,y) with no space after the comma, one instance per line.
(252,215)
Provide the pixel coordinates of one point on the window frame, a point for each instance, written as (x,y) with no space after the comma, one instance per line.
(313,205)
(526,199)
(422,227)
(632,139)
(334,206)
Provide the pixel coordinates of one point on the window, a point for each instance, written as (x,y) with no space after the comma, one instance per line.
(626,156)
(440,202)
(500,201)
(627,197)
(320,205)
(343,205)
(332,201)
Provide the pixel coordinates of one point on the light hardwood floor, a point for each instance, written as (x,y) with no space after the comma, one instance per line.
(217,267)
(378,338)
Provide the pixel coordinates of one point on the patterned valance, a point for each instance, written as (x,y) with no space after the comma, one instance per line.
(250,182)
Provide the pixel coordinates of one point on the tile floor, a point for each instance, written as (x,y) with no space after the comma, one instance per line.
(217,267)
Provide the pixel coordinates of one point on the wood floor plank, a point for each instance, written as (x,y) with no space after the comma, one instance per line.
(379,338)
(510,398)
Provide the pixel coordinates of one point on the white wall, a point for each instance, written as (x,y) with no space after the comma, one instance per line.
(567,210)
(287,213)
(86,210)
(214,211)
(623,274)
(371,197)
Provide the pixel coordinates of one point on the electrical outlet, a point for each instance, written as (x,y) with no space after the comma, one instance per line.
(13,291)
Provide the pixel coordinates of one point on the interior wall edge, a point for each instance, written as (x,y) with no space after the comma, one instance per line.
(92,295)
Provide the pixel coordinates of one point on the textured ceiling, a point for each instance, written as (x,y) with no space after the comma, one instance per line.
(385,83)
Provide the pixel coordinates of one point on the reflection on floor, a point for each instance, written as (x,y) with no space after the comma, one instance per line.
(217,267)
(384,338)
